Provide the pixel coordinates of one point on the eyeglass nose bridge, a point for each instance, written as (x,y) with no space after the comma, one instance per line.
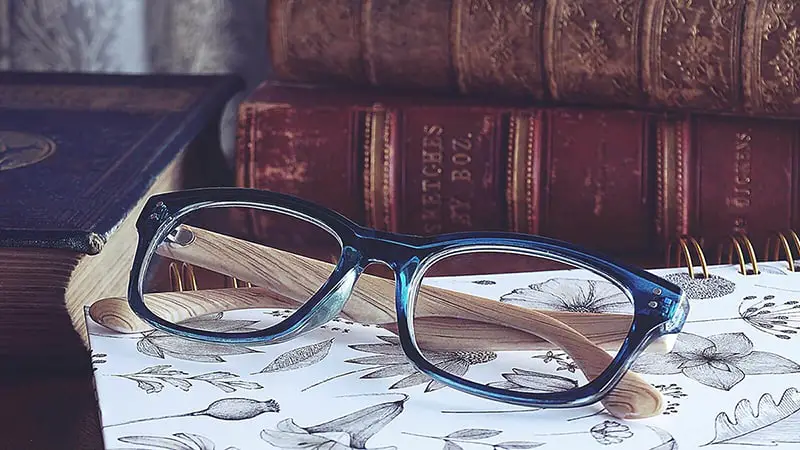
(387,250)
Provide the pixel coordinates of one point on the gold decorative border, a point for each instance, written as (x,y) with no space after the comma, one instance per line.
(369,198)
(388,164)
(671,213)
(524,163)
(379,154)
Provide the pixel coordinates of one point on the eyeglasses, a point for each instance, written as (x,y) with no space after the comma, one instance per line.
(566,337)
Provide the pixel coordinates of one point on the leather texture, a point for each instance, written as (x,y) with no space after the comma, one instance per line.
(623,182)
(703,55)
(78,151)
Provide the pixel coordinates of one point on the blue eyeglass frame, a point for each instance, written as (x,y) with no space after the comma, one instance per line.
(660,307)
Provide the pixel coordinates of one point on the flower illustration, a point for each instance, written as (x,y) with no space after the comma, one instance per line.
(720,361)
(610,432)
(571,294)
(704,288)
(391,361)
(780,319)
(351,431)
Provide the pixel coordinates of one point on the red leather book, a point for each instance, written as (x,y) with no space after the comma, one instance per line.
(624,182)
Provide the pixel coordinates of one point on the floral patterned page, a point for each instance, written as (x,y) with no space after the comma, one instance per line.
(730,381)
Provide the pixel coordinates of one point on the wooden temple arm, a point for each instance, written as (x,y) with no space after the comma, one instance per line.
(286,280)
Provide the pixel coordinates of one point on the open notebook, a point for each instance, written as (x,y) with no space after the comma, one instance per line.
(731,381)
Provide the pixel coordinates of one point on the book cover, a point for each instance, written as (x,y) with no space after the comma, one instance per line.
(79,153)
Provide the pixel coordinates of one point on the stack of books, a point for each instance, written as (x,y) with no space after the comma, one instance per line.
(618,126)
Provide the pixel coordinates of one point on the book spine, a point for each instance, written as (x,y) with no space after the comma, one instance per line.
(618,181)
(703,56)
(431,169)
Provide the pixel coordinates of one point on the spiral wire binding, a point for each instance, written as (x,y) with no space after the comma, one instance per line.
(736,242)
(783,240)
(684,247)
(178,278)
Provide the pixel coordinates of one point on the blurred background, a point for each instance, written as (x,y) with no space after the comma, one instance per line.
(148,36)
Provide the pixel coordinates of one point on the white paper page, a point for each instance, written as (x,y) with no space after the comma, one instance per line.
(730,383)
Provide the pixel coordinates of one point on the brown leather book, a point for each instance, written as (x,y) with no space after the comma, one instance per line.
(623,182)
(703,55)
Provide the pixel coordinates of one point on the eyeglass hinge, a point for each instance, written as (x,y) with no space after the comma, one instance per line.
(159,214)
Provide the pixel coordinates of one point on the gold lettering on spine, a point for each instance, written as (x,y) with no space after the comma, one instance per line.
(432,156)
(461,157)
(446,160)
(741,194)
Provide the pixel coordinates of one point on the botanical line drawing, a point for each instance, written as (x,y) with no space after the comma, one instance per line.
(702,288)
(351,431)
(563,360)
(389,360)
(158,344)
(668,441)
(529,381)
(477,436)
(769,425)
(720,361)
(153,379)
(606,432)
(299,357)
(571,294)
(780,319)
(98,358)
(223,409)
(178,441)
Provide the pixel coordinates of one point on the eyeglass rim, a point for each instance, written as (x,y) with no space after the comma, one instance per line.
(164,211)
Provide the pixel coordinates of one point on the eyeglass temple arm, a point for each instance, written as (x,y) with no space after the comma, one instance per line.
(436,308)
(295,278)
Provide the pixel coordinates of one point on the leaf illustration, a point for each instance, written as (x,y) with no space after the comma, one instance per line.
(148,348)
(150,387)
(162,369)
(299,357)
(180,441)
(771,423)
(473,433)
(152,379)
(518,445)
(178,383)
(450,445)
(214,376)
(530,381)
(160,344)
(232,386)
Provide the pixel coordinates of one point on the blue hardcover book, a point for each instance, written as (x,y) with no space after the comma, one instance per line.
(78,154)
